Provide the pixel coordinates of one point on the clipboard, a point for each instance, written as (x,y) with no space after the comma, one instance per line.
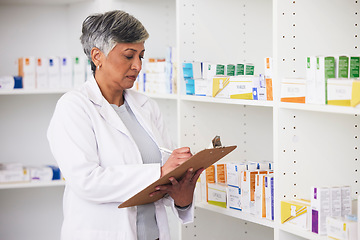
(202,159)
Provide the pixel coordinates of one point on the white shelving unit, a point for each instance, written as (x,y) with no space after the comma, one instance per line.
(309,144)
(32,184)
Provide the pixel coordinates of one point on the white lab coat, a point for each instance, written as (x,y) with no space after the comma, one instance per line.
(102,165)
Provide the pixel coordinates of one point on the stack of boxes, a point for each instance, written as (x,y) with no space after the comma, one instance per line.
(328,212)
(53,72)
(236,81)
(332,80)
(247,187)
(17,172)
(158,76)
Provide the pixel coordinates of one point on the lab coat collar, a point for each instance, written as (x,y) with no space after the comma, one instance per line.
(135,100)
(94,94)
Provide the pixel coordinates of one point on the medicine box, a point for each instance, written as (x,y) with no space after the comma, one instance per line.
(268,67)
(240,69)
(335,202)
(210,174)
(14,175)
(220,169)
(209,70)
(311,87)
(217,194)
(343,92)
(242,87)
(7,82)
(188,75)
(220,69)
(260,204)
(27,71)
(249,69)
(234,198)
(230,70)
(42,79)
(218,86)
(238,87)
(233,171)
(293,90)
(342,66)
(261,91)
(54,72)
(248,190)
(325,69)
(296,213)
(269,196)
(320,209)
(339,92)
(66,72)
(268,77)
(200,87)
(341,228)
(245,191)
(346,203)
(209,178)
(354,67)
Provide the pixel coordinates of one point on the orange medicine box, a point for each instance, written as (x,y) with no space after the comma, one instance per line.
(293,90)
(210,174)
(210,178)
(221,173)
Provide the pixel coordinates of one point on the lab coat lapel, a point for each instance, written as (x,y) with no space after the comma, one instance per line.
(110,116)
(105,109)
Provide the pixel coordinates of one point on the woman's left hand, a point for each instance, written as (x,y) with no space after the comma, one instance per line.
(181,191)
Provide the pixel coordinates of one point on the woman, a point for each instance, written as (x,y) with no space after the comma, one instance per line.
(106,140)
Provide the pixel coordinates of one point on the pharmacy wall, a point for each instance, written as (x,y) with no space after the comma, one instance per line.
(310,144)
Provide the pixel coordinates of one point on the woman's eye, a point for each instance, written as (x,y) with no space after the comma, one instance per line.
(129,57)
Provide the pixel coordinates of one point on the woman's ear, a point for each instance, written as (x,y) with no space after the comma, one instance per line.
(96,56)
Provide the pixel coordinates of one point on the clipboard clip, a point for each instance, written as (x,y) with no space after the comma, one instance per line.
(216,142)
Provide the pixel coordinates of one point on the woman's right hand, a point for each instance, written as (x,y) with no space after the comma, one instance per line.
(177,157)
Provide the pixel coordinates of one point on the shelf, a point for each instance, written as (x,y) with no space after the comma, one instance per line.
(34,91)
(236,214)
(320,108)
(161,95)
(32,184)
(301,233)
(46,2)
(227,101)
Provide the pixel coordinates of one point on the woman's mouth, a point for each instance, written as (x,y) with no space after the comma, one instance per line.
(132,77)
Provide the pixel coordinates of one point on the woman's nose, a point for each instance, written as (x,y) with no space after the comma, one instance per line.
(136,65)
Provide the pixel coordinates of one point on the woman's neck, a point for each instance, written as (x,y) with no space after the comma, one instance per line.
(112,96)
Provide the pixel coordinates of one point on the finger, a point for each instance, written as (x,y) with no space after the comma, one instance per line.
(189,175)
(157,193)
(183,155)
(182,150)
(174,182)
(162,189)
(197,174)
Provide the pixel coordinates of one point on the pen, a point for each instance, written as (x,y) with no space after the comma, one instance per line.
(165,150)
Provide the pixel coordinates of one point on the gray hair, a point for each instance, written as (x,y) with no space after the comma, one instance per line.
(104,31)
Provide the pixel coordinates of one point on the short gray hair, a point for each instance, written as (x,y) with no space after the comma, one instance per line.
(105,30)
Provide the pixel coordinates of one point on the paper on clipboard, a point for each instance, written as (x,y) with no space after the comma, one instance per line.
(202,159)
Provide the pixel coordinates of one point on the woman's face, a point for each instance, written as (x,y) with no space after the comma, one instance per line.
(122,65)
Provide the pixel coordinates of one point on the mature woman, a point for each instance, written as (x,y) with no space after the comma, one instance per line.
(106,140)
